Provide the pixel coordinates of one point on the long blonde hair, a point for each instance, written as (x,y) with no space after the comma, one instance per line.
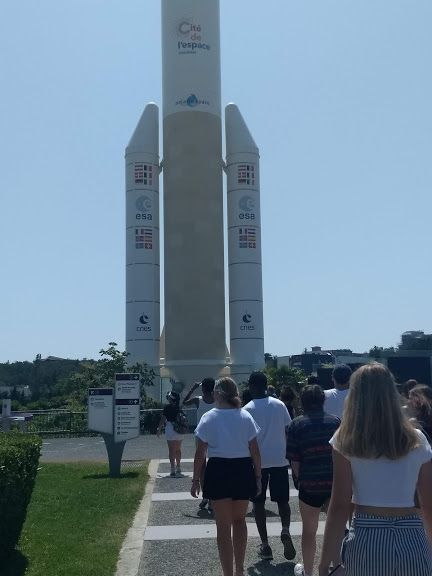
(373,423)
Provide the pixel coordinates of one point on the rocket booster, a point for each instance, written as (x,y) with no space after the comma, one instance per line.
(142,241)
(244,244)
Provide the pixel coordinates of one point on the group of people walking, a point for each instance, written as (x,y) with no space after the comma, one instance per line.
(358,451)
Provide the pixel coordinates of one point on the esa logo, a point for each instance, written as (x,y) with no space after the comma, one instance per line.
(143,206)
(144,321)
(247,207)
(247,323)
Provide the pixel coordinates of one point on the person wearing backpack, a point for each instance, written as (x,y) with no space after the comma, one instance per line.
(173,438)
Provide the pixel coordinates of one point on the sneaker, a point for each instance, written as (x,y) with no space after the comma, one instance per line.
(172,474)
(298,570)
(265,552)
(289,550)
(203,503)
(178,474)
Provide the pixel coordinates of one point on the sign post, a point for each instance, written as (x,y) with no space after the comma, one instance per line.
(100,410)
(115,412)
(127,407)
(5,414)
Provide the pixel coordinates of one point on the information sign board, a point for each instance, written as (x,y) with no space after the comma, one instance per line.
(100,410)
(127,407)
(6,407)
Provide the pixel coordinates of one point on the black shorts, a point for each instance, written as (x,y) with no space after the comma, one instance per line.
(314,500)
(279,484)
(232,478)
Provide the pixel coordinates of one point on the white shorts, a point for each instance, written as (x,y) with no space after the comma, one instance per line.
(170,433)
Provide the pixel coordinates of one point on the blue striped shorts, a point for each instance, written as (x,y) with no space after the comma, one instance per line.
(379,546)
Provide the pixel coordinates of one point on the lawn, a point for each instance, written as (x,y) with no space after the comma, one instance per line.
(77,520)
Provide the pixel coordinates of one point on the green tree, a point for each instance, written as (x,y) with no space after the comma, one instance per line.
(283,375)
(100,374)
(377,351)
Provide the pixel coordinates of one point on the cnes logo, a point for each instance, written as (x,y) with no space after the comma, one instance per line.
(144,320)
(247,324)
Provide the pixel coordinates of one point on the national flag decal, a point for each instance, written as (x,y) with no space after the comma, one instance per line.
(143,173)
(247,237)
(246,174)
(143,238)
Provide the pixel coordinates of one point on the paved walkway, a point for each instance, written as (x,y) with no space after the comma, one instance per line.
(180,539)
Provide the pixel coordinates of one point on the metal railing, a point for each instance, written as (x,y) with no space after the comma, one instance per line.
(67,423)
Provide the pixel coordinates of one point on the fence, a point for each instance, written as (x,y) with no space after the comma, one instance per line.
(67,423)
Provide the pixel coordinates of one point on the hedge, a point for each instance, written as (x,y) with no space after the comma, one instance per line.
(19,458)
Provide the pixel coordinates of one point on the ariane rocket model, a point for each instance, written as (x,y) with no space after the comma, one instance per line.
(194,337)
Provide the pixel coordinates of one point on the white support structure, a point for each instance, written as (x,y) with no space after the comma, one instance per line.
(142,241)
(244,245)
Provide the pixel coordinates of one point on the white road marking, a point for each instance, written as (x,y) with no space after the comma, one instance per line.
(185,460)
(178,496)
(199,531)
(166,475)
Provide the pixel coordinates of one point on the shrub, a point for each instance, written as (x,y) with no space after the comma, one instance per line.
(19,457)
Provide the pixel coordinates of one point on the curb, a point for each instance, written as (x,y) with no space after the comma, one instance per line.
(130,553)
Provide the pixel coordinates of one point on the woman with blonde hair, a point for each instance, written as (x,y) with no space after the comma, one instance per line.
(233,472)
(379,459)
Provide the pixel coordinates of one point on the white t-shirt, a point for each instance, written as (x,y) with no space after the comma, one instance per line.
(227,432)
(203,407)
(334,401)
(388,483)
(272,417)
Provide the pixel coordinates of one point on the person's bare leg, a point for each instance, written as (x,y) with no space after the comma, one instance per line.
(223,513)
(310,518)
(239,534)
(178,452)
(284,510)
(260,519)
(171,453)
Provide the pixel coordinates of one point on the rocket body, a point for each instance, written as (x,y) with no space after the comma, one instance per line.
(193,189)
(194,335)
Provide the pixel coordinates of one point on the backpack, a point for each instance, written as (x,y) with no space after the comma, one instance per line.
(180,424)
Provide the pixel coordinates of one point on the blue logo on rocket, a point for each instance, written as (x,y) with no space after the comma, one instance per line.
(192,101)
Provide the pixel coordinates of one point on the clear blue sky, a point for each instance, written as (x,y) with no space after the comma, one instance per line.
(338,97)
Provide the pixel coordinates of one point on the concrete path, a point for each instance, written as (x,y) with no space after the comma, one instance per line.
(180,539)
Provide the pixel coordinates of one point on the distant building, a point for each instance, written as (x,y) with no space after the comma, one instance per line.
(412,359)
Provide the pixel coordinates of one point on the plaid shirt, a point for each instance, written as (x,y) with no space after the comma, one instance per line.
(308,443)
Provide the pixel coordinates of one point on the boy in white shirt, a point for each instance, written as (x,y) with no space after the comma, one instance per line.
(335,398)
(273,419)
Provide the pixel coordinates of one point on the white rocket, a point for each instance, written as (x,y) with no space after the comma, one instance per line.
(195,332)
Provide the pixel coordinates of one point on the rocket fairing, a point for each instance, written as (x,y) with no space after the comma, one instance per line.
(194,284)
(142,241)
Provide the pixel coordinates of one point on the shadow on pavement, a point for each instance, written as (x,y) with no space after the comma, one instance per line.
(14,565)
(105,476)
(269,514)
(266,568)
(200,515)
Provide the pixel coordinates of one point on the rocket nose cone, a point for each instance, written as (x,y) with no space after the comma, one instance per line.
(238,136)
(145,137)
